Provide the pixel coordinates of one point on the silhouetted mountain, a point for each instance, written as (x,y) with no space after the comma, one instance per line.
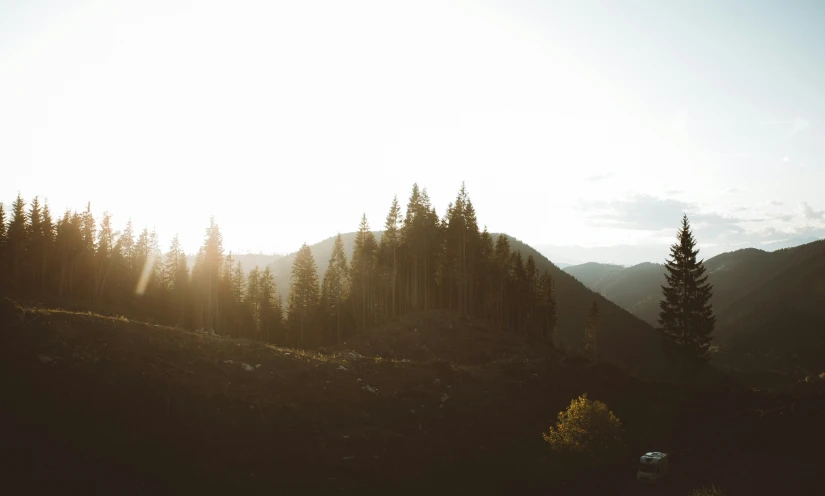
(768,304)
(623,339)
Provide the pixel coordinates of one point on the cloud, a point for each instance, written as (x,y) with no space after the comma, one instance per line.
(600,177)
(661,217)
(781,217)
(733,190)
(712,226)
(809,213)
(673,192)
(775,203)
(641,212)
(786,159)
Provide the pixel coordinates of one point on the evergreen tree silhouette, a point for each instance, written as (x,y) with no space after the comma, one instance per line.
(686,316)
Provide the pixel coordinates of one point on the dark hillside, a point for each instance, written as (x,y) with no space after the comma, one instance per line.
(428,403)
(624,339)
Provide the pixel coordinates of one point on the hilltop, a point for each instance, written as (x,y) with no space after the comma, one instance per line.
(428,403)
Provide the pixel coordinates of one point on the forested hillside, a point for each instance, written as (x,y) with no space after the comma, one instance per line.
(321,294)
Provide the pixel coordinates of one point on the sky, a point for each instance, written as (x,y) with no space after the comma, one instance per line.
(572,123)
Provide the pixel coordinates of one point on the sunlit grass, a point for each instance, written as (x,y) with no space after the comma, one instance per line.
(49,311)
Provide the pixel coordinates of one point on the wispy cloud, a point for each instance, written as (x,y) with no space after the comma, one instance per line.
(786,159)
(733,190)
(775,203)
(673,192)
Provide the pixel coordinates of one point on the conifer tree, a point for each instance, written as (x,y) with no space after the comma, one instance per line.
(390,243)
(501,260)
(36,241)
(18,241)
(270,317)
(362,270)
(176,279)
(531,288)
(686,317)
(47,247)
(3,244)
(591,329)
(253,295)
(210,272)
(238,283)
(549,308)
(303,294)
(485,281)
(335,290)
(105,248)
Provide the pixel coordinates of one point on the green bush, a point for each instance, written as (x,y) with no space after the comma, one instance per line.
(587,431)
(708,491)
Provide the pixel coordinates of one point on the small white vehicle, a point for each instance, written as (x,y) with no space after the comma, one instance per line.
(653,467)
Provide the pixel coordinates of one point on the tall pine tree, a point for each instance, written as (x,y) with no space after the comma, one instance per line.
(303,295)
(335,288)
(686,317)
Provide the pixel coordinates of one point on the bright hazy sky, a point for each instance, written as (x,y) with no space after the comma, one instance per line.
(572,123)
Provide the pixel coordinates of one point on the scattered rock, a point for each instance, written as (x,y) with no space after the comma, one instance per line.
(46,359)
(369,389)
(258,366)
(229,361)
(437,382)
(348,457)
(342,368)
(247,367)
(444,397)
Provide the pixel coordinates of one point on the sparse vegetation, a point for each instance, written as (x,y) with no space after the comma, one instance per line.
(587,431)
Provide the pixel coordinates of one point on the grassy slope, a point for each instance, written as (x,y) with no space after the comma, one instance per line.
(94,404)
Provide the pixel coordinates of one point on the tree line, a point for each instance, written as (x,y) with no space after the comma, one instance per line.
(421,262)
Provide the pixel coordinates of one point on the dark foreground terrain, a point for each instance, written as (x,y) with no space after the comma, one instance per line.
(92,404)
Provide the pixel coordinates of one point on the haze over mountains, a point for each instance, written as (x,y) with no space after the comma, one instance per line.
(567,255)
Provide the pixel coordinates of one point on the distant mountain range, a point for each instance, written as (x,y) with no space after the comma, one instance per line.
(636,254)
(770,306)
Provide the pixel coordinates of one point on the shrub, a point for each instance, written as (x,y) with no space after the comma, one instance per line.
(708,491)
(588,431)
